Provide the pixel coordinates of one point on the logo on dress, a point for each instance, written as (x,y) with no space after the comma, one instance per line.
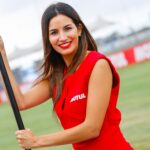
(78,97)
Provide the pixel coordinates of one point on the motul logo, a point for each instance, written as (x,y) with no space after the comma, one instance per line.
(78,97)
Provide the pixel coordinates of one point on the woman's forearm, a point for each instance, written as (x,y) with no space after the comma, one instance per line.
(16,89)
(76,134)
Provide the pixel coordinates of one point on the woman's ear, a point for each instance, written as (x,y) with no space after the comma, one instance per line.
(79,29)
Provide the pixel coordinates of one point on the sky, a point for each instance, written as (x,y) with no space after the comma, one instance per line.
(20,19)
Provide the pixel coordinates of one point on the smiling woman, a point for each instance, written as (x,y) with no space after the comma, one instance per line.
(64,36)
(82,83)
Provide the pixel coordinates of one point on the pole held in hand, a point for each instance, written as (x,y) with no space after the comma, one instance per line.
(11,95)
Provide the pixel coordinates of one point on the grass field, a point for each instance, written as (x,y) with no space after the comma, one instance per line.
(134,103)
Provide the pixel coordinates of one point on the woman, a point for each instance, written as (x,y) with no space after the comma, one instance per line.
(82,83)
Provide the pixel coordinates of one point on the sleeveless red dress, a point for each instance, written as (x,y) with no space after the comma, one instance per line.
(71,107)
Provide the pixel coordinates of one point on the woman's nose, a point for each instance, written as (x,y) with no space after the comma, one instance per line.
(62,36)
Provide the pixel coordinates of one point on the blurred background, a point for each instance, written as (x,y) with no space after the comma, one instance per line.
(121,29)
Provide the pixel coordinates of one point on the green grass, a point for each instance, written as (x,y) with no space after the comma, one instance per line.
(134,103)
(39,119)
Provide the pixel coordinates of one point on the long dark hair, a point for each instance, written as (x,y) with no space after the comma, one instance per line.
(53,65)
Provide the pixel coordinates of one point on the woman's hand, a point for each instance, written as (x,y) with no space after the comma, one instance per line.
(26,138)
(1,44)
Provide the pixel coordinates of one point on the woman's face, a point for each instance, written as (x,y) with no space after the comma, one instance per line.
(64,35)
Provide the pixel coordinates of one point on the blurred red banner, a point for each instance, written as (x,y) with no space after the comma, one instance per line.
(132,55)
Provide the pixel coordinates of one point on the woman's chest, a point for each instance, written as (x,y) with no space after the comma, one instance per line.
(73,100)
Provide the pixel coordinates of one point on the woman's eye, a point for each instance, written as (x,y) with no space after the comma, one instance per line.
(68,28)
(53,33)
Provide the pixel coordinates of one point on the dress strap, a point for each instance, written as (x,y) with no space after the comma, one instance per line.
(90,61)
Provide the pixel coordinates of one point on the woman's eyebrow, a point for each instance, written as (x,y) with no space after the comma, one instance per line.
(54,29)
(68,25)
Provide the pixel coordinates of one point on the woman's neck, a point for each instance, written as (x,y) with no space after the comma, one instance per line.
(68,58)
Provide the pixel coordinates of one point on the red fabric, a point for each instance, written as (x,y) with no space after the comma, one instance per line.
(71,107)
(130,56)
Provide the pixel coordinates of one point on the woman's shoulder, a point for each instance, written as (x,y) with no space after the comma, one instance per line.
(92,57)
(102,61)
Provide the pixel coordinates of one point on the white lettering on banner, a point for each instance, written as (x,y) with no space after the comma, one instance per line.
(118,60)
(78,97)
(142,52)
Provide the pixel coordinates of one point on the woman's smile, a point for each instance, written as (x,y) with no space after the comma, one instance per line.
(65,45)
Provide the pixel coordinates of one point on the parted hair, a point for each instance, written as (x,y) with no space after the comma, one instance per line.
(53,65)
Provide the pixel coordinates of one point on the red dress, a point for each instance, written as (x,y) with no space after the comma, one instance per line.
(71,107)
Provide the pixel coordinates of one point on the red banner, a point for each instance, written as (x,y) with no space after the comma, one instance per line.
(132,55)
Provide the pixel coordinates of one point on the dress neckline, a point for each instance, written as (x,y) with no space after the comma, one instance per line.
(81,64)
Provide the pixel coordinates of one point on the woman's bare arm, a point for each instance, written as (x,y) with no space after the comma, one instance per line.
(34,96)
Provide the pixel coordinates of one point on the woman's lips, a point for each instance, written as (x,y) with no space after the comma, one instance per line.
(65,45)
